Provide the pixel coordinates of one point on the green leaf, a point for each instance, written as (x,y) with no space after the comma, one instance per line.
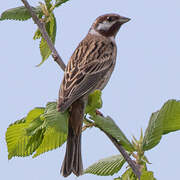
(51,127)
(59,2)
(17,140)
(51,30)
(119,178)
(43,129)
(56,119)
(48,4)
(162,122)
(47,1)
(128,175)
(19,13)
(109,126)
(153,132)
(52,140)
(147,175)
(107,166)
(37,34)
(45,51)
(94,102)
(145,159)
(35,113)
(35,140)
(19,143)
(34,126)
(23,120)
(170,113)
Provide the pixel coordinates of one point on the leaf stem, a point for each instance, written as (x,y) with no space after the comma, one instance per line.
(41,26)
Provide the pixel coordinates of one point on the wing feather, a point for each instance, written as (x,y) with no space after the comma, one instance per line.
(83,74)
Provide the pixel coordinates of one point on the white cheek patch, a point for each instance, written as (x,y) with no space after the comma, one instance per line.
(93,32)
(105,25)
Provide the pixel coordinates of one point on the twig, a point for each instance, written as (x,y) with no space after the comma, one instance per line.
(41,26)
(135,167)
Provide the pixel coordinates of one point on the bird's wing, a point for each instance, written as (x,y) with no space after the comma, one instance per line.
(82,75)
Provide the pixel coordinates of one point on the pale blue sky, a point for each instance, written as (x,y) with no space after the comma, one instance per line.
(147,74)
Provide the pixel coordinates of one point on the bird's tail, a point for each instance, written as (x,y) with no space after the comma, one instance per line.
(73,160)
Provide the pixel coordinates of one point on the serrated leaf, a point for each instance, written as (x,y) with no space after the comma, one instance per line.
(17,140)
(42,130)
(23,120)
(35,140)
(52,140)
(34,126)
(153,132)
(145,159)
(94,102)
(35,113)
(59,2)
(37,34)
(51,30)
(55,119)
(170,113)
(109,126)
(147,175)
(107,166)
(45,51)
(19,13)
(129,175)
(119,178)
(162,122)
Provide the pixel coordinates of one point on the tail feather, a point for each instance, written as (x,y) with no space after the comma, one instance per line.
(73,159)
(77,163)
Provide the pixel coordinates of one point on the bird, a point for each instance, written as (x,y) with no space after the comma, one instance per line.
(88,69)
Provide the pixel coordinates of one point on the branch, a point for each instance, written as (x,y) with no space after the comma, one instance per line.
(41,26)
(135,167)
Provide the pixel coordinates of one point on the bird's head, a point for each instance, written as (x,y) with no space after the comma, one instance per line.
(108,25)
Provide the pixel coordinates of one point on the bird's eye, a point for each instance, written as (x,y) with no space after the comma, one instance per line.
(110,18)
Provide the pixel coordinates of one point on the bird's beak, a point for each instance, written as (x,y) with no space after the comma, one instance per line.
(123,20)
